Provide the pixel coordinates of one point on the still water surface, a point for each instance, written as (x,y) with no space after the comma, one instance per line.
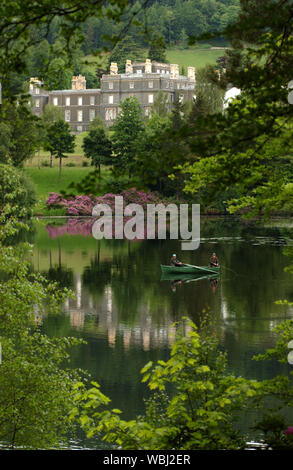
(125,311)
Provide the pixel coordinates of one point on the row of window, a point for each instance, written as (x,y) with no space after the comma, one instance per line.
(80,102)
(92,98)
(92,115)
(92,111)
(131,85)
(111,99)
(162,71)
(110,115)
(151,85)
(68,101)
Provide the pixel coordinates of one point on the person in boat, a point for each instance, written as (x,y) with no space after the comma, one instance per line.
(214,261)
(175,262)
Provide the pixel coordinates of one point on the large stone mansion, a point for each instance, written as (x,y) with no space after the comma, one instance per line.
(141,79)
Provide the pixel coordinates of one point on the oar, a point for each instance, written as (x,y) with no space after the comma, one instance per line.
(202,277)
(198,267)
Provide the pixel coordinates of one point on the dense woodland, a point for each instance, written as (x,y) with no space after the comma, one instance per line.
(165,21)
(174,19)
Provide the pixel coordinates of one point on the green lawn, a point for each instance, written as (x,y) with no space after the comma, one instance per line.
(45,181)
(77,157)
(193,57)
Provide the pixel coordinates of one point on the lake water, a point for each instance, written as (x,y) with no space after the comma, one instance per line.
(125,311)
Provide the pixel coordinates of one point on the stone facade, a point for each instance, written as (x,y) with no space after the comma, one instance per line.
(40,97)
(141,79)
(80,106)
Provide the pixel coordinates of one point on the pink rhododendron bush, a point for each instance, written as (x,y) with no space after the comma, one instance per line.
(83,205)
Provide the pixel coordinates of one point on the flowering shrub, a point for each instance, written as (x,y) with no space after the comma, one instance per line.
(79,205)
(83,205)
(55,200)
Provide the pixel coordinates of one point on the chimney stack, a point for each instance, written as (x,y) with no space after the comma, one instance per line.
(148,66)
(174,71)
(78,83)
(128,66)
(191,73)
(34,84)
(113,68)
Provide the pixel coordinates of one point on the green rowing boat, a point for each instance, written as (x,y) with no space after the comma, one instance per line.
(189,268)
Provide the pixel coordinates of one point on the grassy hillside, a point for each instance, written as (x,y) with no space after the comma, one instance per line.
(197,58)
(45,180)
(194,56)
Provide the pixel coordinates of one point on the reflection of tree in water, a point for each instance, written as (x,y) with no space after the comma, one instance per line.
(249,296)
(97,276)
(133,282)
(258,270)
(60,274)
(222,227)
(288,252)
(63,276)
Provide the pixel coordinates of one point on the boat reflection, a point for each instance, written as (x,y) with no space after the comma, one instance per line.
(178,279)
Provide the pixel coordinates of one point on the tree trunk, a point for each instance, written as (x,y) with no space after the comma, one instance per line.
(99,177)
(51,160)
(60,167)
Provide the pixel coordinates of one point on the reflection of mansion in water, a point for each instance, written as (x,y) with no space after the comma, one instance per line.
(144,80)
(144,333)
